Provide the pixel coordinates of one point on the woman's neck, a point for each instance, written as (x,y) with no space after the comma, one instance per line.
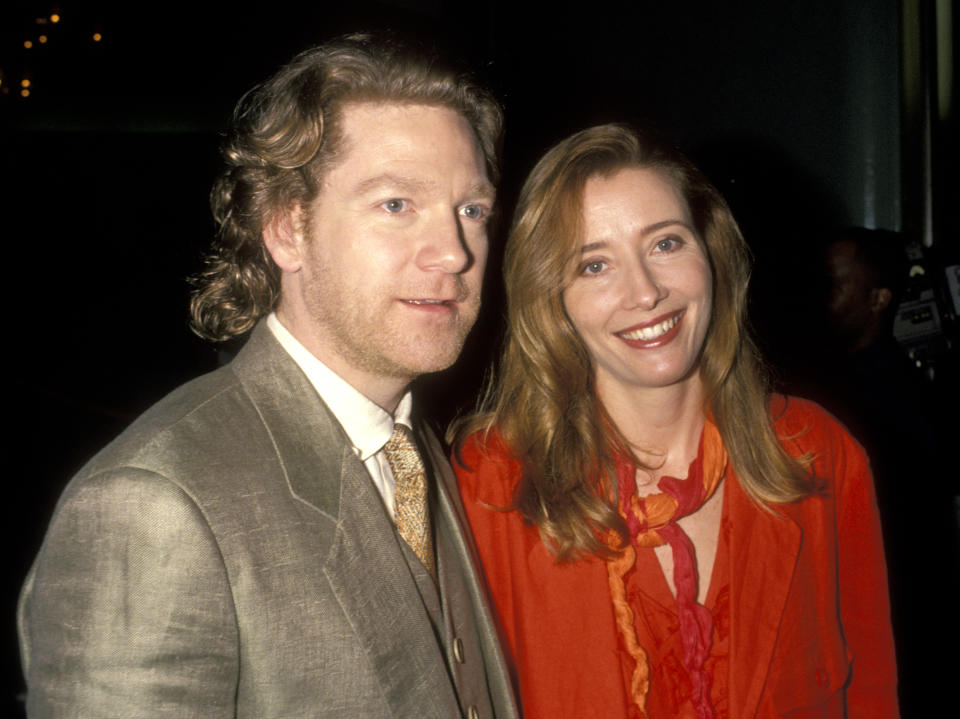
(662,425)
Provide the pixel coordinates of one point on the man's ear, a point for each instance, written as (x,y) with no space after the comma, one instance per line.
(283,238)
(879,298)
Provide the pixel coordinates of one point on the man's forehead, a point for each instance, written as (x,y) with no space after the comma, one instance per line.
(361,116)
(402,145)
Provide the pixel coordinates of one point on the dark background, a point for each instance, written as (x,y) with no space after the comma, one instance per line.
(808,115)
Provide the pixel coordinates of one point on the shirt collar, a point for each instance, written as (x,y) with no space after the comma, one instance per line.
(367,425)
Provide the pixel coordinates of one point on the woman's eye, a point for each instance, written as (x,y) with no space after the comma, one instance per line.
(668,244)
(394,206)
(592,268)
(474,212)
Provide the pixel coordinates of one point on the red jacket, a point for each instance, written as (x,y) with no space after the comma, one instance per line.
(809,610)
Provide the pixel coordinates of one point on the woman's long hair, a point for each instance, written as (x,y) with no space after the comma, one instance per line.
(541,400)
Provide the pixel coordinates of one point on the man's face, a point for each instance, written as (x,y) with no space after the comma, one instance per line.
(392,250)
(849,303)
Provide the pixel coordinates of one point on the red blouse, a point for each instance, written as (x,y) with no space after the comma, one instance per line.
(798,598)
(658,632)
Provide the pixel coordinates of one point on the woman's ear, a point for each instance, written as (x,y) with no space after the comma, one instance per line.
(283,238)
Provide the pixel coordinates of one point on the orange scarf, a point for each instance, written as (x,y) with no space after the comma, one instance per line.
(651,521)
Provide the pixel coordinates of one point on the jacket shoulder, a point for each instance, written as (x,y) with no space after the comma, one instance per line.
(210,411)
(804,426)
(486,469)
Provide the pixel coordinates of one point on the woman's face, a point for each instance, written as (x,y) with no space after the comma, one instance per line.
(641,292)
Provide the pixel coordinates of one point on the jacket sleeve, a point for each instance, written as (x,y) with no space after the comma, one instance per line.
(486,478)
(864,597)
(127,611)
(557,619)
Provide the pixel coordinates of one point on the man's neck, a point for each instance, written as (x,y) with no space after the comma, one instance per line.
(384,391)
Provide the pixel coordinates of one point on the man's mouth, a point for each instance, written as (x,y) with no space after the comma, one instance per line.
(651,332)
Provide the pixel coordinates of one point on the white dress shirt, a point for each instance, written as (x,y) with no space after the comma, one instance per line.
(368,426)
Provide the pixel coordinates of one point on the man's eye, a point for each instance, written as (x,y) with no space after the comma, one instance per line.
(474,212)
(395,206)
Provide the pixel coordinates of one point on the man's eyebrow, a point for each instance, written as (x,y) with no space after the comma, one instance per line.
(391,180)
(481,190)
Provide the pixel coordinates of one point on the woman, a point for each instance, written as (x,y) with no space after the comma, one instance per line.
(661,536)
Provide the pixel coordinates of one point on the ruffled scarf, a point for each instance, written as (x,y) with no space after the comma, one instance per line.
(651,521)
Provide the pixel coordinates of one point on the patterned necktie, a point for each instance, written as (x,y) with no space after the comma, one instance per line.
(411,513)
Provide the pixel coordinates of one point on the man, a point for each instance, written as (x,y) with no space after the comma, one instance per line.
(281,538)
(866,272)
(872,386)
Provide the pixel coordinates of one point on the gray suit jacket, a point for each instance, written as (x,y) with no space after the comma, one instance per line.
(229,556)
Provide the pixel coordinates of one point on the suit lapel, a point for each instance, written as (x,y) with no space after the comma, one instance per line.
(763,550)
(309,442)
(373,584)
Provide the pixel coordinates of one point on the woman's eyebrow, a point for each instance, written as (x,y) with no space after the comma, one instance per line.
(649,229)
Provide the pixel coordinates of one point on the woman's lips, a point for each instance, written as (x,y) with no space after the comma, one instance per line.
(654,333)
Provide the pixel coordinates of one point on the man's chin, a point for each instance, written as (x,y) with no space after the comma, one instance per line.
(415,363)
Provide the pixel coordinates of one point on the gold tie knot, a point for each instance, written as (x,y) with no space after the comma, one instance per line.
(410,509)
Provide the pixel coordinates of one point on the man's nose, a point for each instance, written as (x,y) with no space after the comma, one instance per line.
(443,247)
